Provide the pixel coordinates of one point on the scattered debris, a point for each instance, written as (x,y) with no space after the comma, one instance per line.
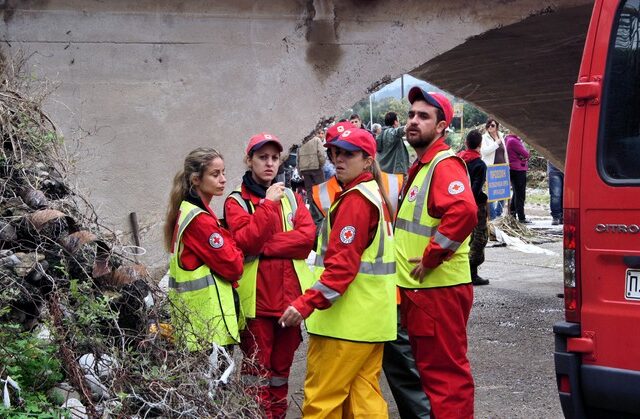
(91,312)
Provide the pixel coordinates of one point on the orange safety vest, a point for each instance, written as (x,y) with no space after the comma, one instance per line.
(324,194)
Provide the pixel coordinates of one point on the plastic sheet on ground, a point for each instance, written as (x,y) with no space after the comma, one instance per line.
(517,244)
(5,394)
(218,357)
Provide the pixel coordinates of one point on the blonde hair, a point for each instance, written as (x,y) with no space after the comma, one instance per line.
(194,166)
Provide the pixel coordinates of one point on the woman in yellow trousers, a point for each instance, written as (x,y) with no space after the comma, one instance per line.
(350,309)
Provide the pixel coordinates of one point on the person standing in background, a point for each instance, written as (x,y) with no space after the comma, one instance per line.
(376,129)
(392,153)
(356,120)
(518,166)
(478,174)
(493,151)
(555,178)
(311,158)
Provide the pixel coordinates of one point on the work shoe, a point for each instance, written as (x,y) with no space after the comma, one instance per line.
(555,222)
(476,280)
(525,221)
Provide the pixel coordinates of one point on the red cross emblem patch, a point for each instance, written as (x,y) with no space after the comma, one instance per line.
(456,187)
(216,241)
(347,234)
(413,194)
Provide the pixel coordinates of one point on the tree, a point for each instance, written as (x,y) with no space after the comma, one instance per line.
(473,116)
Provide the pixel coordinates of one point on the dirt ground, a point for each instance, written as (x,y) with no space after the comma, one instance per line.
(510,332)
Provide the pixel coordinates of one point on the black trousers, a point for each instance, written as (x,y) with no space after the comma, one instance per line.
(400,369)
(519,186)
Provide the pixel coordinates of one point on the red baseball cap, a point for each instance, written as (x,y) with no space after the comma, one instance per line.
(335,130)
(355,139)
(438,100)
(261,139)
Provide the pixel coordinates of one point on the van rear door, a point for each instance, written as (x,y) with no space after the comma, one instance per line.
(609,212)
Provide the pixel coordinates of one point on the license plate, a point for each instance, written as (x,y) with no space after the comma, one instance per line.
(633,285)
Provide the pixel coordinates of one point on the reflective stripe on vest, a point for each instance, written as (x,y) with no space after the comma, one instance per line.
(393,184)
(202,306)
(378,267)
(193,285)
(366,312)
(278,381)
(247,284)
(415,228)
(324,193)
(324,199)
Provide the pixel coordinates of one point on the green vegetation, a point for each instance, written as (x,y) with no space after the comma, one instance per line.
(32,363)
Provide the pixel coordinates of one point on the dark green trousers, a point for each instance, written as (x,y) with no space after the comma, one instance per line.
(400,369)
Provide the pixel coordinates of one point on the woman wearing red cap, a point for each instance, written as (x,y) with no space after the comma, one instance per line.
(274,229)
(205,262)
(351,307)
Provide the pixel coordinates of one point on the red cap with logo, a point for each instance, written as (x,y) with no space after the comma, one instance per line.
(335,130)
(438,100)
(261,139)
(355,139)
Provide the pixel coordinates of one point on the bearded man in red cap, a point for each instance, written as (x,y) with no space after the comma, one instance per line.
(436,216)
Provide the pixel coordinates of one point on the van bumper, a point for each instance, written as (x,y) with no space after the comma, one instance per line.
(595,391)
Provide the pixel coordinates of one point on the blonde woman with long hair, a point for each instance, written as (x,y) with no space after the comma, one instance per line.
(205,263)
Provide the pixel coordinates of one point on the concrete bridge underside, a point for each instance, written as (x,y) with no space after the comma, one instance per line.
(142,83)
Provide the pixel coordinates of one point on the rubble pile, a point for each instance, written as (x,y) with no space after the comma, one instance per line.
(71,296)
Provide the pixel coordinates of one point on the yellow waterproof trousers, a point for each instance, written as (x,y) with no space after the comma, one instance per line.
(343,380)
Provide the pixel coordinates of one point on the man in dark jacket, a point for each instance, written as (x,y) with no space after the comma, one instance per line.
(478,173)
(393,156)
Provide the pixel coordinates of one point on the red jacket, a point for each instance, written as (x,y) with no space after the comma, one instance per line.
(342,261)
(225,260)
(261,234)
(457,210)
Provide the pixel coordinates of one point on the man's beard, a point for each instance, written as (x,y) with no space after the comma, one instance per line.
(423,141)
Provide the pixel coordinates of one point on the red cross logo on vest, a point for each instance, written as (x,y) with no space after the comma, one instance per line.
(456,187)
(413,194)
(216,241)
(347,234)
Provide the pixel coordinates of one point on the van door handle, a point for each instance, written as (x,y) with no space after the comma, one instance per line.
(632,261)
(587,91)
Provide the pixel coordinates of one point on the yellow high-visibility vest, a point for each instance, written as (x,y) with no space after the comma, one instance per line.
(324,193)
(202,306)
(366,312)
(247,284)
(414,228)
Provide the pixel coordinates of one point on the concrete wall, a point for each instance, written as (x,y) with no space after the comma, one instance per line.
(144,82)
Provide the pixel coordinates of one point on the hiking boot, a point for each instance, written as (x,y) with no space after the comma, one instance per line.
(476,280)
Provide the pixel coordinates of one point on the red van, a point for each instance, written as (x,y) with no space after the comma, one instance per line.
(597,347)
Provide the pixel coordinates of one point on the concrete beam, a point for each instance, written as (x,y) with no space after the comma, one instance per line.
(142,83)
(520,75)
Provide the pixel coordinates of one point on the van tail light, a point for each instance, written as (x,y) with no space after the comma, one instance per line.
(572,283)
(564,385)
